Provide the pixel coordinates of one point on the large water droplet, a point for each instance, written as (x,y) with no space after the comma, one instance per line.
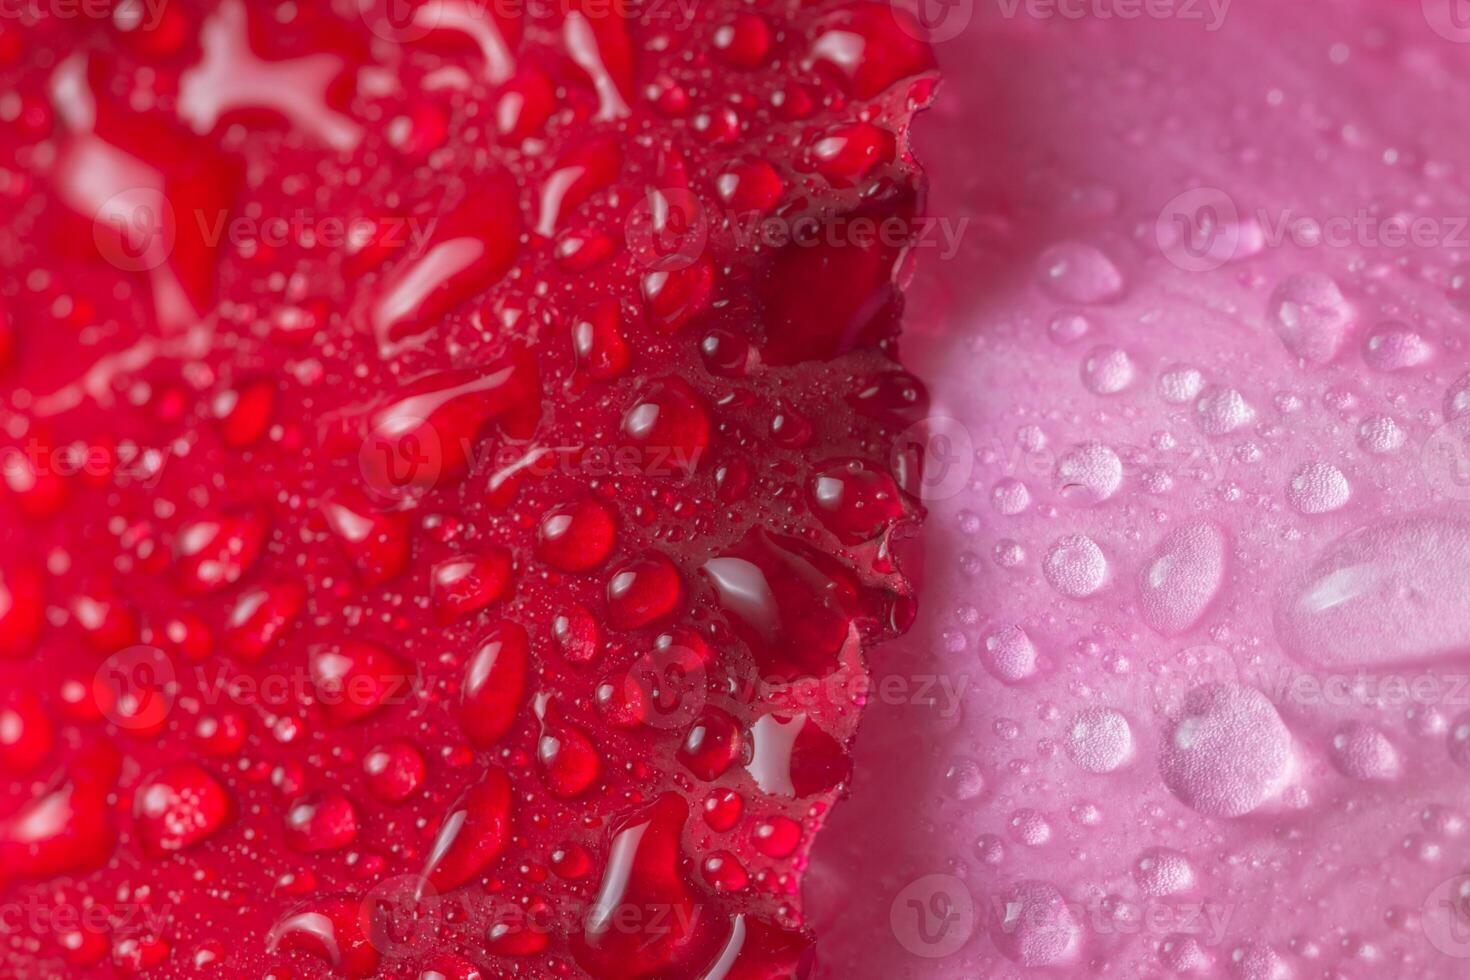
(1388,593)
(1181,578)
(1311,316)
(1074,272)
(1228,752)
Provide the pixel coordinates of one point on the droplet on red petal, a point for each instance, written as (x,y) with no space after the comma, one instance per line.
(517,934)
(733,479)
(22,607)
(105,621)
(712,744)
(243,413)
(578,636)
(582,249)
(642,591)
(395,771)
(569,763)
(597,337)
(576,535)
(524,104)
(425,436)
(849,152)
(759,950)
(66,828)
(184,636)
(378,543)
(447,966)
(321,822)
(221,734)
(752,185)
(26,732)
(790,429)
(794,607)
(82,947)
(669,425)
(722,809)
(675,296)
(215,552)
(854,499)
(179,806)
(472,834)
(580,172)
(495,684)
(260,617)
(571,861)
(744,41)
(644,870)
(777,836)
(353,679)
(794,757)
(832,287)
(725,353)
(871,46)
(462,586)
(36,486)
(471,248)
(723,872)
(336,930)
(135,954)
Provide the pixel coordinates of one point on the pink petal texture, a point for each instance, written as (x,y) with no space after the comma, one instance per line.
(1189,694)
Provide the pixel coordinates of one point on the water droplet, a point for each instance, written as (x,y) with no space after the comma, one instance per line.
(1037,928)
(1074,272)
(1311,316)
(1010,496)
(1361,751)
(1099,739)
(1089,473)
(179,806)
(1395,347)
(1107,370)
(1075,566)
(1010,655)
(495,684)
(1180,384)
(1220,411)
(1228,753)
(1162,871)
(1180,579)
(1318,488)
(1381,435)
(1068,328)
